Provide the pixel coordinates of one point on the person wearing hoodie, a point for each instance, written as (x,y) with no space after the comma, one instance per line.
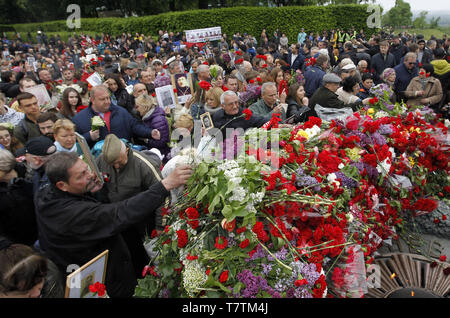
(442,73)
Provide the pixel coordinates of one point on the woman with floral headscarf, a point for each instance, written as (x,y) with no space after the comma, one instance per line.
(388,77)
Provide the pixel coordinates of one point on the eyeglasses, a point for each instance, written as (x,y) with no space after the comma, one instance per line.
(411,63)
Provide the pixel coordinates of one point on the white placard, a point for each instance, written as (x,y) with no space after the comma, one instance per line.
(89,57)
(165,96)
(40,92)
(203,35)
(89,50)
(95,79)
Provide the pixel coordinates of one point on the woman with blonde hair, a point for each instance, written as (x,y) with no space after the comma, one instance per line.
(65,138)
(154,117)
(212,96)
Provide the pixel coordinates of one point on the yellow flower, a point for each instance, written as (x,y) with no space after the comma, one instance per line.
(353,153)
(370,111)
(411,161)
(303,134)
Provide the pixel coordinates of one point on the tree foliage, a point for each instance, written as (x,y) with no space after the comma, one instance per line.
(399,15)
(243,19)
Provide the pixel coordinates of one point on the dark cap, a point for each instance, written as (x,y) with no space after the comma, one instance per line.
(40,146)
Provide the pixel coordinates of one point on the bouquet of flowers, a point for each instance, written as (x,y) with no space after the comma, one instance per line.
(299,212)
(96,123)
(61,88)
(251,94)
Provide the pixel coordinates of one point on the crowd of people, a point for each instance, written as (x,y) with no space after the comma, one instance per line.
(56,211)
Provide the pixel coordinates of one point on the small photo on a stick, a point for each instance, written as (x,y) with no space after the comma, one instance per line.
(207,122)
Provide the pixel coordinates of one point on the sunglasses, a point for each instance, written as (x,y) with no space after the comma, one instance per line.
(411,63)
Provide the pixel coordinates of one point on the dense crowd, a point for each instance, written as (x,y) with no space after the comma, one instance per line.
(55,211)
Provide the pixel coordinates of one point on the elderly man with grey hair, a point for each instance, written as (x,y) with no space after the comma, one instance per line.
(405,72)
(231,115)
(270,103)
(326,96)
(131,172)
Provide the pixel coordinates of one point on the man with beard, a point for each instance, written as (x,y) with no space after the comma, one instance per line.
(37,152)
(74,227)
(45,122)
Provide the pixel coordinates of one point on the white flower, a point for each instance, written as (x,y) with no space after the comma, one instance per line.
(194,276)
(238,194)
(384,167)
(332,179)
(341,166)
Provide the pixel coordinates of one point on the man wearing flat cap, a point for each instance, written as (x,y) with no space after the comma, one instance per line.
(37,151)
(131,172)
(326,96)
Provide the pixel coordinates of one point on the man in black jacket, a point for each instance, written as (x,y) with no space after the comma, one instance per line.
(382,61)
(74,227)
(326,96)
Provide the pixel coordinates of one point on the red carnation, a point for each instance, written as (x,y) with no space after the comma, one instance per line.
(221,242)
(301,282)
(248,113)
(223,277)
(244,243)
(98,288)
(175,90)
(443,258)
(251,81)
(182,238)
(258,79)
(239,61)
(238,53)
(192,213)
(205,85)
(264,66)
(205,63)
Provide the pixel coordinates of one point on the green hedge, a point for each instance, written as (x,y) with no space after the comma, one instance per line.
(251,20)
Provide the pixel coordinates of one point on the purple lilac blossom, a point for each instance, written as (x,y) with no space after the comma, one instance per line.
(346,181)
(385,129)
(378,139)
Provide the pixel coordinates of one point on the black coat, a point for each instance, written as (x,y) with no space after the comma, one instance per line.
(74,229)
(379,64)
(17,217)
(326,98)
(223,121)
(298,111)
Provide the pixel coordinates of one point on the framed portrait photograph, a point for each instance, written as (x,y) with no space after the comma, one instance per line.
(88,157)
(40,92)
(165,96)
(207,122)
(183,84)
(77,283)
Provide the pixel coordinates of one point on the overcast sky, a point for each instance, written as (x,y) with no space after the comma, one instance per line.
(417,5)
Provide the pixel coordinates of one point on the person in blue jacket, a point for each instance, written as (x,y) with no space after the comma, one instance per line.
(117,120)
(314,75)
(405,72)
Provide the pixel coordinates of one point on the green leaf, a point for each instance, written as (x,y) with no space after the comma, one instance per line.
(202,193)
(214,202)
(227,212)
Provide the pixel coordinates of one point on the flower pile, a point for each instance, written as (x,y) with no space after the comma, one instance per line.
(300,212)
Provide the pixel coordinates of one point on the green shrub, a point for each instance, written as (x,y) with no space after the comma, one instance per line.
(251,20)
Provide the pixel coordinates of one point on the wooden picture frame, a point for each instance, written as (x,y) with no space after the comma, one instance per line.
(206,120)
(183,84)
(77,283)
(88,158)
